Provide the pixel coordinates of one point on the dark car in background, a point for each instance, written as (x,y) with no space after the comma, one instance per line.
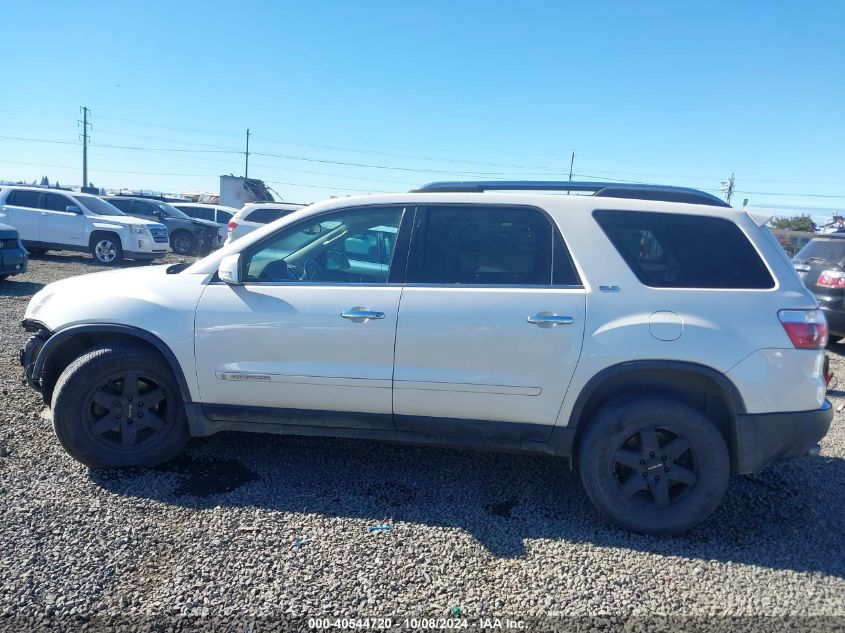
(821,265)
(188,235)
(13,256)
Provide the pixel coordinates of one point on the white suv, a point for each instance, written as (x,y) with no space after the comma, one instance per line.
(56,219)
(255,215)
(656,337)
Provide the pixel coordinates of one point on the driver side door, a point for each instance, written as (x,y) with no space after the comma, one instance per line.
(307,331)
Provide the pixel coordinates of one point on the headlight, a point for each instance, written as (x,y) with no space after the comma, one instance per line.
(138,230)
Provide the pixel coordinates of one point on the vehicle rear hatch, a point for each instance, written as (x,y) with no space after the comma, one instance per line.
(821,265)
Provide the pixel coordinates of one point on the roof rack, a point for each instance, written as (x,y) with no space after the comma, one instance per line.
(663,193)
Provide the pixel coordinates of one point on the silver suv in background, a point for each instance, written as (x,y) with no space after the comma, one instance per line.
(256,215)
(57,219)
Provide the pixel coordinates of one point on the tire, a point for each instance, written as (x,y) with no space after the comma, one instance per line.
(679,484)
(182,243)
(98,408)
(106,249)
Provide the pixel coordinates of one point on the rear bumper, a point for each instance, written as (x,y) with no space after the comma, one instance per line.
(763,438)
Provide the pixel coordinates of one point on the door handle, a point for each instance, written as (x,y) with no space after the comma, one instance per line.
(544,319)
(361,315)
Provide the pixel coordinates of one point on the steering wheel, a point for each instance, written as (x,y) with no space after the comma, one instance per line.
(312,271)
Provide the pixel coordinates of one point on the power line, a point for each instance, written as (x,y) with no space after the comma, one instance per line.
(177,150)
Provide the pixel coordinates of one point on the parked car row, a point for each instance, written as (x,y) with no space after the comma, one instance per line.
(114,228)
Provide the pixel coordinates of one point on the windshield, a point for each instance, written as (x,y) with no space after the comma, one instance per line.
(829,250)
(169,211)
(98,206)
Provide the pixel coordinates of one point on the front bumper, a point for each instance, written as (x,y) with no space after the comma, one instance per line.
(763,438)
(28,354)
(144,255)
(13,261)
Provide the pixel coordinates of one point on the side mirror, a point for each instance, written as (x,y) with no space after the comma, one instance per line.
(313,230)
(229,269)
(72,208)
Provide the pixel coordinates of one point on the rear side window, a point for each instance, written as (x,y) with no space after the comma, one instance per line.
(265,216)
(670,250)
(123,205)
(23,198)
(198,212)
(488,245)
(223,217)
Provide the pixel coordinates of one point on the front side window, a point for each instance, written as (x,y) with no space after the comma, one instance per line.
(57,202)
(488,245)
(673,250)
(23,198)
(350,246)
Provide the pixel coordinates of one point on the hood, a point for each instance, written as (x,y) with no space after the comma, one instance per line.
(8,232)
(208,223)
(144,296)
(124,220)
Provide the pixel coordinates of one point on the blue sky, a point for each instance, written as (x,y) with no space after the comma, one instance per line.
(670,92)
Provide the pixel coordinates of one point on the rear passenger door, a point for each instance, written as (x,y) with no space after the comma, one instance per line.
(490,324)
(21,211)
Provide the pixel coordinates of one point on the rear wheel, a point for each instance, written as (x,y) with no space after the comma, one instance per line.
(119,405)
(106,249)
(182,243)
(653,465)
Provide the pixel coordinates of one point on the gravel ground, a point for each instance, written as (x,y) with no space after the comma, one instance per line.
(255,529)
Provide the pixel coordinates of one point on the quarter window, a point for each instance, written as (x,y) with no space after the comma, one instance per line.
(23,198)
(350,246)
(488,245)
(673,250)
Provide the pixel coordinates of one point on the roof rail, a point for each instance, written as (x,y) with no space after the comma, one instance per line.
(636,191)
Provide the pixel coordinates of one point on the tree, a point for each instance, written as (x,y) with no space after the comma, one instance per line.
(796,223)
(45,182)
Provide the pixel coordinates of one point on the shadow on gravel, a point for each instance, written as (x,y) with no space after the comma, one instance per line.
(71,257)
(791,516)
(14,287)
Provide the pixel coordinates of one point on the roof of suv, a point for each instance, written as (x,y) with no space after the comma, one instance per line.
(636,191)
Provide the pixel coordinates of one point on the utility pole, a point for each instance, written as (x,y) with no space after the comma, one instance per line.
(246,155)
(571,163)
(729,188)
(85,136)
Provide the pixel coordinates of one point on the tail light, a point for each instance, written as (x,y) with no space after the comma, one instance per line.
(832,279)
(231,226)
(807,329)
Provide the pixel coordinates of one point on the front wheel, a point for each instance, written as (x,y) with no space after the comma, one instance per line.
(182,243)
(653,465)
(106,249)
(119,405)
